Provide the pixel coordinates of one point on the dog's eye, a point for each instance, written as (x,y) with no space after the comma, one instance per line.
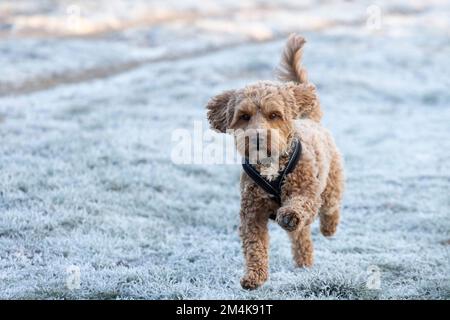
(245,117)
(274,116)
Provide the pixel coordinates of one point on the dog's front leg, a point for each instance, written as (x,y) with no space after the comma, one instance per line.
(301,200)
(298,212)
(255,242)
(296,216)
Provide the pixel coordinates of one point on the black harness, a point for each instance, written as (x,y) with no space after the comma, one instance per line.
(273,188)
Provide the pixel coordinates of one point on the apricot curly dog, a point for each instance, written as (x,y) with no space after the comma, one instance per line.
(281,116)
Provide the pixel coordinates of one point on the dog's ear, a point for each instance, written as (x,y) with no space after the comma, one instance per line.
(307,103)
(220,110)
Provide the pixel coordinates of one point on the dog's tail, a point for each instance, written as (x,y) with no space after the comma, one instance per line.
(290,68)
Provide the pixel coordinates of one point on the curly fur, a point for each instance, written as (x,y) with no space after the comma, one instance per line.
(290,68)
(314,188)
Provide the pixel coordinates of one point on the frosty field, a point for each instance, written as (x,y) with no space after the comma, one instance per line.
(87,112)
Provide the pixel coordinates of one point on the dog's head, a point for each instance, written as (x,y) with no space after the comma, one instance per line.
(261,116)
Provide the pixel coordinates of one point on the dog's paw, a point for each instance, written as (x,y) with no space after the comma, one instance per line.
(305,262)
(251,281)
(288,219)
(328,228)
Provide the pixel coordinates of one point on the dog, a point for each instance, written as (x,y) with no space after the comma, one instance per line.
(289,112)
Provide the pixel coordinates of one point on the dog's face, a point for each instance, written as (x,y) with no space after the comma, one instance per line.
(261,116)
(262,123)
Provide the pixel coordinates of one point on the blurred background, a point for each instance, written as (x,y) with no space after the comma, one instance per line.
(91,205)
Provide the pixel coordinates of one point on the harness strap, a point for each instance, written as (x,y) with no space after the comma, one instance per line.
(273,188)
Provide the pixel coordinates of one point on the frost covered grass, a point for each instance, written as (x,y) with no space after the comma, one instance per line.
(86,177)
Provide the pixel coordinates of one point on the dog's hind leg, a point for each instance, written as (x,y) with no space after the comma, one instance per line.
(329,212)
(302,247)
